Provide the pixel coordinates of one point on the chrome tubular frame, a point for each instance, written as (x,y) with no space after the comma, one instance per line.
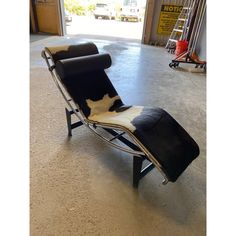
(92,126)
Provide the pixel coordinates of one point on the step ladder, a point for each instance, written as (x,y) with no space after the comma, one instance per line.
(182,26)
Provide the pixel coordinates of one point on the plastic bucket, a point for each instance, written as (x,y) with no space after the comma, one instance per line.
(181,47)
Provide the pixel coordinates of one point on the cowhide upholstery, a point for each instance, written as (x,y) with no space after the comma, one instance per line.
(81,69)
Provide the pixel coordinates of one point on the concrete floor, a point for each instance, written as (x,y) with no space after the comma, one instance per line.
(37,37)
(80,186)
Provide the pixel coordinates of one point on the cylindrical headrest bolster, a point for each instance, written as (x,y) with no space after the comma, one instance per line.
(74,66)
(70,51)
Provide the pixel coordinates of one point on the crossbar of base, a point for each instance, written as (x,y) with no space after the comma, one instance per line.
(122,139)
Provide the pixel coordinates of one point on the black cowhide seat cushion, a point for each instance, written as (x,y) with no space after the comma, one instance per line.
(159,132)
(166,140)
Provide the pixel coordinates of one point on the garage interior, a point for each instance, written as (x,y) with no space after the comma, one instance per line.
(81,186)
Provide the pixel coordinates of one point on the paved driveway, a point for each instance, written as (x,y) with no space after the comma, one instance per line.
(90,26)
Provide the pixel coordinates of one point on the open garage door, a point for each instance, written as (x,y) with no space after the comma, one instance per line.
(111,18)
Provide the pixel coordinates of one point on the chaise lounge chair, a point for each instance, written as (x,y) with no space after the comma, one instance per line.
(145,132)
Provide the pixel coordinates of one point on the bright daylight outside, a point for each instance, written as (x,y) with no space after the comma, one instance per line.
(114,18)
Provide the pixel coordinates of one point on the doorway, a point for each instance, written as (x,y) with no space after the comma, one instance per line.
(109,18)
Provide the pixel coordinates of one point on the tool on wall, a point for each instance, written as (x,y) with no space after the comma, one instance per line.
(189,56)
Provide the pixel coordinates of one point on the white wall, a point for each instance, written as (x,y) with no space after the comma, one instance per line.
(201,44)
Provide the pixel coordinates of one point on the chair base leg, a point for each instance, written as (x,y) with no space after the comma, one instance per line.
(137,167)
(71,126)
(138,172)
(68,120)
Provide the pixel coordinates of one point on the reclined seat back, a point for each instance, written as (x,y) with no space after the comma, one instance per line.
(85,79)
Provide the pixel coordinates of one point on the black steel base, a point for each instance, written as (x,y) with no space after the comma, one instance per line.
(71,126)
(138,172)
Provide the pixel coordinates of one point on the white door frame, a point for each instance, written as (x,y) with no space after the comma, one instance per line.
(148,19)
(62,22)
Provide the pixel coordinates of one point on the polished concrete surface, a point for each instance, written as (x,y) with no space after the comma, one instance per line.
(80,186)
(37,37)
